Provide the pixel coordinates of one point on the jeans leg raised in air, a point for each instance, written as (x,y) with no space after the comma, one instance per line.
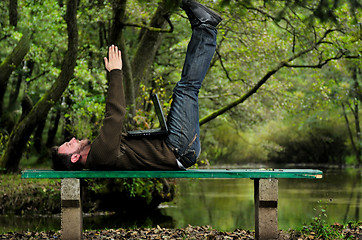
(183,118)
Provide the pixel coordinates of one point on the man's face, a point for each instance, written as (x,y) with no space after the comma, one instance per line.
(73,146)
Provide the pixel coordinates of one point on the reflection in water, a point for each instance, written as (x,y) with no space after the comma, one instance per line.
(227,204)
(99,221)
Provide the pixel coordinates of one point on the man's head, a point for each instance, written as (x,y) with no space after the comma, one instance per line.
(70,156)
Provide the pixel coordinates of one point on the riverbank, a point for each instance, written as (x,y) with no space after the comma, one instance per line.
(351,231)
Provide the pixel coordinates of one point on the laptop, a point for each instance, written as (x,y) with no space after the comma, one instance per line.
(162,130)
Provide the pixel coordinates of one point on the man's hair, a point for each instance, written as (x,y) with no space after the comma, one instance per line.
(61,162)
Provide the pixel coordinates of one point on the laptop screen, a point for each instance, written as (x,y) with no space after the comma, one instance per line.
(159,112)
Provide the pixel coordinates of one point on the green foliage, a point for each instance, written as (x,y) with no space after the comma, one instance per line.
(42,196)
(314,142)
(226,144)
(351,160)
(127,194)
(3,140)
(296,116)
(320,228)
(87,105)
(298,139)
(21,196)
(133,187)
(254,37)
(322,10)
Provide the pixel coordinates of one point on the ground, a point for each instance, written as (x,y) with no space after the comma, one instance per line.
(190,232)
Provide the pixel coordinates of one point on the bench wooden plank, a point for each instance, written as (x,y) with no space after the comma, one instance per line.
(191,173)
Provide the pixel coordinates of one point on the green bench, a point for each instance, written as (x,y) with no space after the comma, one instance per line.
(265,192)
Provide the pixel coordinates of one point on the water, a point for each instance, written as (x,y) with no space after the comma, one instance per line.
(227,204)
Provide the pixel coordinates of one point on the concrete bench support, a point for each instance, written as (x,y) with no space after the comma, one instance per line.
(266,208)
(72,220)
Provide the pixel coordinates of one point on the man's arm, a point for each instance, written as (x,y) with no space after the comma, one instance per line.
(115,102)
(106,146)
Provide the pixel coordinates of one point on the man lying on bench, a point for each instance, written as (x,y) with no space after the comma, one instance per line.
(180,148)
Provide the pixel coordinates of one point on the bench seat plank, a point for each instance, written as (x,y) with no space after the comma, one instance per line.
(191,173)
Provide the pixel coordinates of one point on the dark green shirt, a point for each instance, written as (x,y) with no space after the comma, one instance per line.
(111,150)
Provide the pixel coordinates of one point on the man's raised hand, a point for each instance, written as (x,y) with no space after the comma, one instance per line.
(115,59)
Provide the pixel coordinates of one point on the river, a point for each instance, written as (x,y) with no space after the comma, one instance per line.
(228,204)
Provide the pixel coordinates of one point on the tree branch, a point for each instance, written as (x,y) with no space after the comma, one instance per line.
(320,64)
(153,29)
(37,76)
(223,67)
(264,79)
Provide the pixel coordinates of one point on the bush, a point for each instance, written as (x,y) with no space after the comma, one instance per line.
(122,195)
(23,196)
(42,196)
(223,144)
(313,141)
(316,142)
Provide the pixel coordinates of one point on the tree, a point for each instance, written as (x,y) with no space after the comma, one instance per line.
(259,44)
(347,94)
(23,129)
(312,41)
(11,63)
(151,36)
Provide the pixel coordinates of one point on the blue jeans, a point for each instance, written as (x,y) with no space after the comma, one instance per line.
(183,118)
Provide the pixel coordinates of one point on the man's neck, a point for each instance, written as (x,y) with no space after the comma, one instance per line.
(84,155)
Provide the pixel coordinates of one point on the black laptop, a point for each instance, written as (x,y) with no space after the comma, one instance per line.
(162,130)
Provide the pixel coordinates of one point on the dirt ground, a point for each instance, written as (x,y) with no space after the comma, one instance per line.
(190,232)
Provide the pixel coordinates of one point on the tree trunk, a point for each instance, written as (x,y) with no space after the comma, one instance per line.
(14,92)
(128,83)
(13,12)
(11,63)
(356,90)
(22,131)
(350,134)
(38,136)
(150,41)
(26,106)
(149,44)
(118,9)
(67,132)
(102,33)
(116,37)
(53,128)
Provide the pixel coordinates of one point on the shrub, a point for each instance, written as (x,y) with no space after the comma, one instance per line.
(42,196)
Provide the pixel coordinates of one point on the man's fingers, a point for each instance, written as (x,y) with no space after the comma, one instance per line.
(120,54)
(114,52)
(110,52)
(114,60)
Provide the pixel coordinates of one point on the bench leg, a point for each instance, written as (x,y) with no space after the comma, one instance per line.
(72,221)
(266,208)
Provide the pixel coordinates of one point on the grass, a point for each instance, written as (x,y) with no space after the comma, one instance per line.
(319,229)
